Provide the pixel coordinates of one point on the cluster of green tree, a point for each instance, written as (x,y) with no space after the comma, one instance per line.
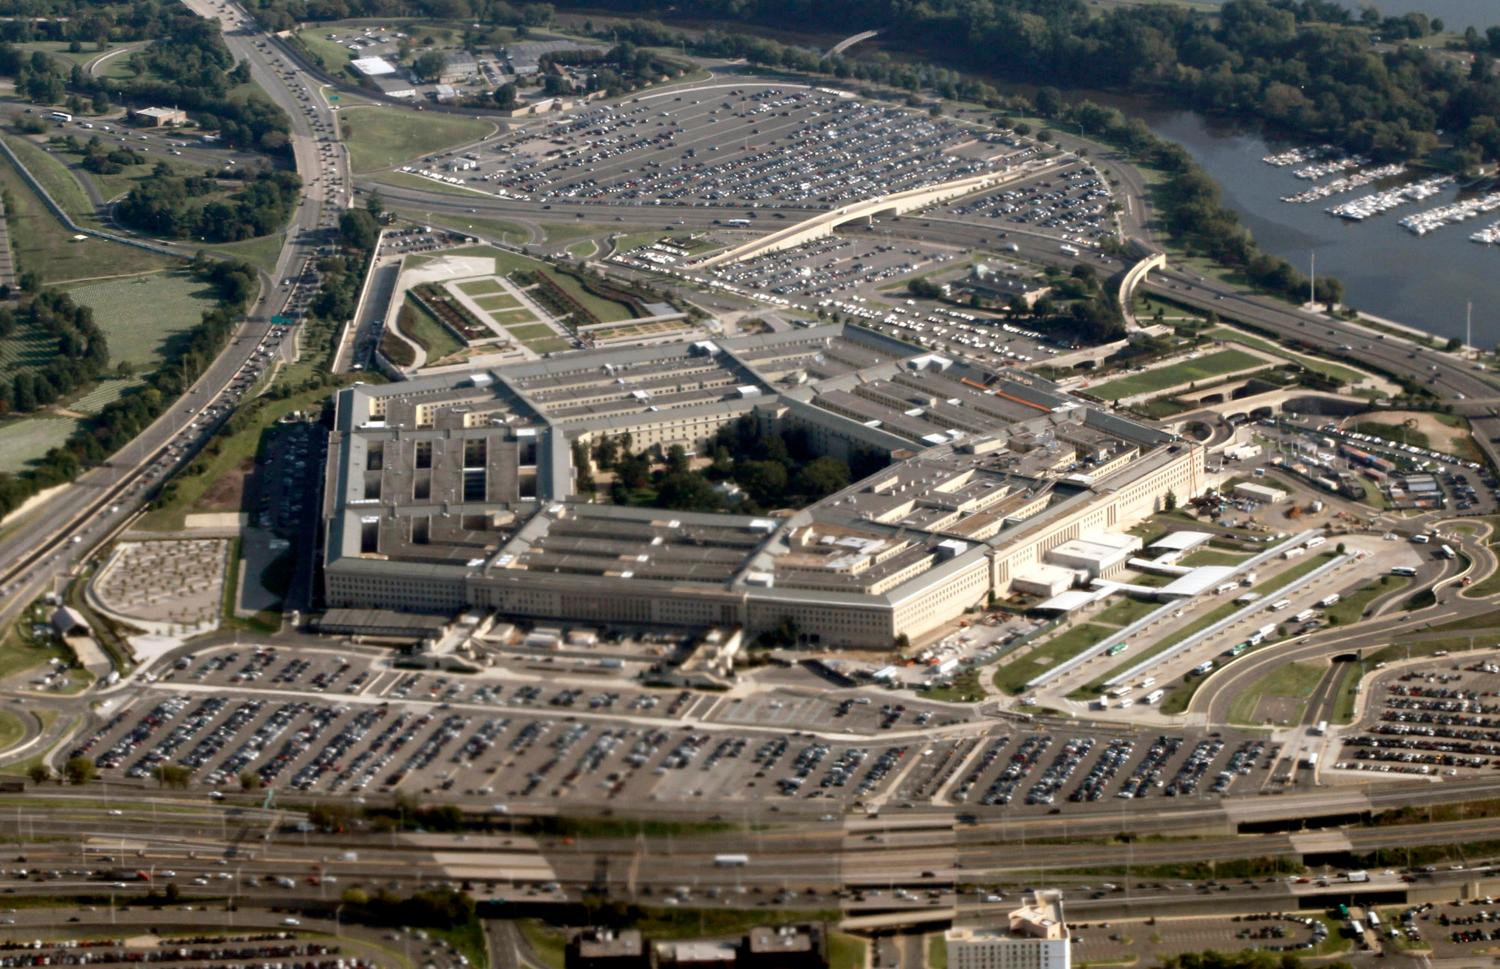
(432,908)
(99,157)
(80,356)
(77,22)
(186,65)
(1078,305)
(619,70)
(285,14)
(1306,67)
(773,469)
(172,206)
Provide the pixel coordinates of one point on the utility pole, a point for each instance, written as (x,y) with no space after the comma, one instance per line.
(1469,325)
(1312,280)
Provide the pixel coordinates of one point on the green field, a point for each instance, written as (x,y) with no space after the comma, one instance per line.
(104,393)
(1214,364)
(1352,606)
(53,173)
(1014,674)
(607,310)
(1293,681)
(140,315)
(1126,611)
(482,287)
(499,301)
(27,346)
(27,439)
(333,54)
(1210,556)
(379,137)
(509,318)
(1310,363)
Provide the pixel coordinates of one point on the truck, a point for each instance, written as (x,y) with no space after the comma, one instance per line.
(1356,877)
(731,861)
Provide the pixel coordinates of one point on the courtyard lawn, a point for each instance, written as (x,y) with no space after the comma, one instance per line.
(1015,672)
(379,137)
(141,315)
(26,439)
(1209,365)
(531,331)
(500,301)
(423,328)
(482,287)
(514,317)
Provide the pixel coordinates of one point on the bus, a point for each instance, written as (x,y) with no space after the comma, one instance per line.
(1067,250)
(1117,649)
(1305,615)
(1315,541)
(1446,552)
(737,223)
(1374,920)
(1234,651)
(1154,696)
(60,116)
(1405,570)
(731,861)
(1343,910)
(1321,729)
(1280,604)
(1329,600)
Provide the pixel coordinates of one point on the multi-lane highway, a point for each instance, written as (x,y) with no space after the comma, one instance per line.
(55,539)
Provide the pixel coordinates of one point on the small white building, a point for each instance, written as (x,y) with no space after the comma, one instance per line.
(1098,555)
(1261,493)
(1036,938)
(373,66)
(1044,580)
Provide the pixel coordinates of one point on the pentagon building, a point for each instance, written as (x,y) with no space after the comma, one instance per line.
(456,491)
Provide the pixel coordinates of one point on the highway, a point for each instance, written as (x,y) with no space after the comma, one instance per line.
(99,502)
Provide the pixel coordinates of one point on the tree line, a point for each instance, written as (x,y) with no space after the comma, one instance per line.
(1310,69)
(80,351)
(173,206)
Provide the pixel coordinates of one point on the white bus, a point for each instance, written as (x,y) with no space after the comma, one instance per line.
(60,116)
(1406,570)
(1306,615)
(1281,604)
(1321,729)
(731,861)
(1154,696)
(1446,552)
(1328,600)
(1315,541)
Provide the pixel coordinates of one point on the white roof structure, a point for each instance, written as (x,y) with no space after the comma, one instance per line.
(1072,600)
(1196,582)
(373,66)
(1181,541)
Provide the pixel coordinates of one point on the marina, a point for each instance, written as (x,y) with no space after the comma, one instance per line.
(1378,203)
(1332,166)
(1347,183)
(1422,223)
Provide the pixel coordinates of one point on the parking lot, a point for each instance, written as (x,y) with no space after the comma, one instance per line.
(755,143)
(1440,718)
(319,721)
(1107,942)
(828,267)
(1071,203)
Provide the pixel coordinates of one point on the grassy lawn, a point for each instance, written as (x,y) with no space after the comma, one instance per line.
(468,939)
(481,287)
(1347,692)
(499,301)
(260,253)
(1351,608)
(12,730)
(965,688)
(1126,611)
(583,250)
(1209,365)
(547,944)
(1015,673)
(21,652)
(424,329)
(515,317)
(140,315)
(607,310)
(27,346)
(1308,363)
(101,395)
(333,54)
(846,951)
(1396,433)
(59,50)
(27,439)
(1293,680)
(937,952)
(41,243)
(54,176)
(379,137)
(411,180)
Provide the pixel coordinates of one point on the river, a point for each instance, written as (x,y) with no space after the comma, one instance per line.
(1386,271)
(1455,14)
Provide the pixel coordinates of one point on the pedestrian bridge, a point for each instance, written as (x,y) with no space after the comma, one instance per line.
(898,203)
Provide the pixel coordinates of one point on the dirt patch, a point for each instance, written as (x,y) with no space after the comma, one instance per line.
(227,493)
(1442,437)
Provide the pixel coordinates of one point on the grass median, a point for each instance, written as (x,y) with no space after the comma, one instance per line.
(1016,672)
